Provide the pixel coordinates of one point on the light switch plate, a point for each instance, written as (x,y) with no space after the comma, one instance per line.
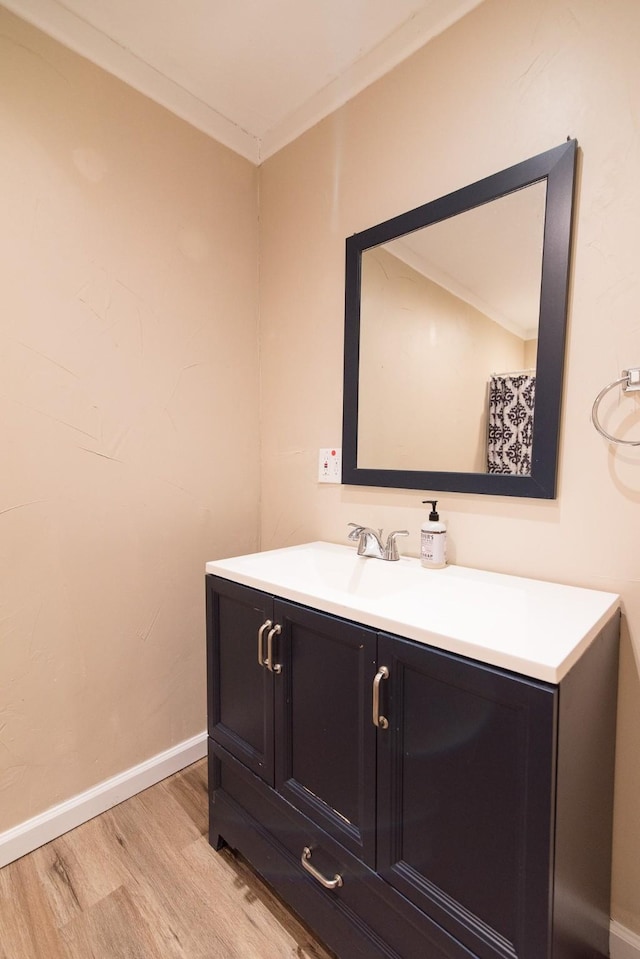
(330,465)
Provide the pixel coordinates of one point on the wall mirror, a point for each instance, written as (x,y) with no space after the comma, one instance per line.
(455,319)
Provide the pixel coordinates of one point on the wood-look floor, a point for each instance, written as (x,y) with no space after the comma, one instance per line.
(142,882)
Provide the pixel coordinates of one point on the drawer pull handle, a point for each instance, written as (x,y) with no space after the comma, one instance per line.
(274,667)
(380,721)
(261,632)
(305,859)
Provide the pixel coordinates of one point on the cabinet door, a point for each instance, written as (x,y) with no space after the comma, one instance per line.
(240,690)
(466,797)
(326,746)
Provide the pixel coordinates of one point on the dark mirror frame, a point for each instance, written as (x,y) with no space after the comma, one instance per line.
(557,167)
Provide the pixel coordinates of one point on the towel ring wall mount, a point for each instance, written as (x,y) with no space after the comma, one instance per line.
(630,382)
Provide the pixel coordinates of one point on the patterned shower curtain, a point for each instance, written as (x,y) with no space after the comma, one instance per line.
(511,402)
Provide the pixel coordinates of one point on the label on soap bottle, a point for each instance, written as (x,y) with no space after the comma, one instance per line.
(433,548)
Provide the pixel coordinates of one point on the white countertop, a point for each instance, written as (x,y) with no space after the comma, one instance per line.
(535,628)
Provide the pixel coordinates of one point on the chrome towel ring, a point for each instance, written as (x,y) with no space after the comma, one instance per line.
(631,380)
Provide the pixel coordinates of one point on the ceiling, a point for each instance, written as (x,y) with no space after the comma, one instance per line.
(253,74)
(489,256)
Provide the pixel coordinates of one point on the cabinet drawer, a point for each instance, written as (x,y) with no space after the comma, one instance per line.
(363,898)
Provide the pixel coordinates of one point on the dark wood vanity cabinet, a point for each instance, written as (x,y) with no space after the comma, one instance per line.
(471,819)
(304,725)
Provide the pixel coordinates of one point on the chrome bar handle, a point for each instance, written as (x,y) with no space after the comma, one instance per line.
(305,859)
(269,663)
(261,632)
(381,721)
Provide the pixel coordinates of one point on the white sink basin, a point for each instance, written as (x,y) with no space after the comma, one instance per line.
(323,568)
(535,628)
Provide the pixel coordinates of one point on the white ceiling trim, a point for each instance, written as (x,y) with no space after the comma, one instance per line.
(409,37)
(80,36)
(75,32)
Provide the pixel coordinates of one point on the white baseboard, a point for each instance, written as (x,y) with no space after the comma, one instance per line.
(59,819)
(623,944)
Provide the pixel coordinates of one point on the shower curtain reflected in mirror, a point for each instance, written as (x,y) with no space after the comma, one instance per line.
(510,433)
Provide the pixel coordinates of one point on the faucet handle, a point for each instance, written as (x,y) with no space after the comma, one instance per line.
(391,549)
(356,531)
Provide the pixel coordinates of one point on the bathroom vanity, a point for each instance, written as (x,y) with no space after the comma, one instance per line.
(419,762)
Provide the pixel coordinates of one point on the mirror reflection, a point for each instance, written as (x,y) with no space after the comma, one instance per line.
(448,341)
(455,324)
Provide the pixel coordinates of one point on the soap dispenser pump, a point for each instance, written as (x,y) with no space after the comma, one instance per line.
(433,539)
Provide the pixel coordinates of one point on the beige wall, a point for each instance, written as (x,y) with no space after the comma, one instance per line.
(128,416)
(427,357)
(510,80)
(530,354)
(128,368)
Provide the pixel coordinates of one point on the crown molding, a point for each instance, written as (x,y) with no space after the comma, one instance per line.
(80,36)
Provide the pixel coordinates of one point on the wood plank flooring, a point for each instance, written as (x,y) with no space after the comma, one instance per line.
(142,882)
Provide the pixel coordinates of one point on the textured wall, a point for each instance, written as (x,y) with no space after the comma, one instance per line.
(128,416)
(507,82)
(428,355)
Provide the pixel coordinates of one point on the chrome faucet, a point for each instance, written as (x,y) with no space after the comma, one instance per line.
(370,542)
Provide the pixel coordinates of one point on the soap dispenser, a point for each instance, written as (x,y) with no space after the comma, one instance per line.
(433,540)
